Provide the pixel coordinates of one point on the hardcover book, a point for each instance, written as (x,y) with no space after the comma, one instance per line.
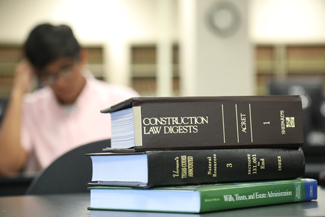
(184,167)
(149,123)
(202,198)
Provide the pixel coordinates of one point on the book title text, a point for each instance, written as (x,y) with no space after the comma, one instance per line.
(173,125)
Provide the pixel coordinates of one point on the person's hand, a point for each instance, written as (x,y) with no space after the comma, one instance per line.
(23,77)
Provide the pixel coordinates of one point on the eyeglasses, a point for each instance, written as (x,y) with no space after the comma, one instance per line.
(50,78)
(65,72)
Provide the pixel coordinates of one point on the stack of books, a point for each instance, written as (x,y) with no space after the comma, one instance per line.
(202,154)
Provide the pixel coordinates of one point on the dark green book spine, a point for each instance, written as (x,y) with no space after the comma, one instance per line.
(257,194)
(179,167)
(219,196)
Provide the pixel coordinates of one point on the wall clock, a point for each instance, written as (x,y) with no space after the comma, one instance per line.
(223,18)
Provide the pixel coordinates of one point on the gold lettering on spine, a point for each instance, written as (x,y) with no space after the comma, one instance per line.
(212,166)
(172,125)
(283,127)
(243,123)
(183,167)
(176,171)
(254,164)
(251,123)
(254,159)
(237,123)
(223,124)
(279,163)
(163,121)
(190,166)
(262,165)
(209,172)
(249,163)
(215,164)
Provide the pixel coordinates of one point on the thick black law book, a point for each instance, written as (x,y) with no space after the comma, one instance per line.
(151,123)
(181,167)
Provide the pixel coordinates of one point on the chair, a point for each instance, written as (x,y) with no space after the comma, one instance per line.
(70,173)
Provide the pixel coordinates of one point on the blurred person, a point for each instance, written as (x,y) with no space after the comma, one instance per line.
(38,127)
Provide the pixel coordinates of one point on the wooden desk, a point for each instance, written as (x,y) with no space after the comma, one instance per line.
(76,205)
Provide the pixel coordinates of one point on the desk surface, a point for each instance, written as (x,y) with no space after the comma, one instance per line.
(76,205)
(14,185)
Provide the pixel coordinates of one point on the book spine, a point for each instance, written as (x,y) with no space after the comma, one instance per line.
(233,122)
(180,167)
(258,194)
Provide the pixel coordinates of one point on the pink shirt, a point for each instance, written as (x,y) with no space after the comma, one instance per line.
(48,130)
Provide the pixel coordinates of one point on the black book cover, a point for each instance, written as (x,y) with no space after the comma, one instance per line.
(210,122)
(182,167)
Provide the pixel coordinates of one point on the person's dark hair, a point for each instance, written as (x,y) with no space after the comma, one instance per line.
(47,42)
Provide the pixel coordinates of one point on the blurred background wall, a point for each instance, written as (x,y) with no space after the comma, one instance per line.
(178,47)
(112,30)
